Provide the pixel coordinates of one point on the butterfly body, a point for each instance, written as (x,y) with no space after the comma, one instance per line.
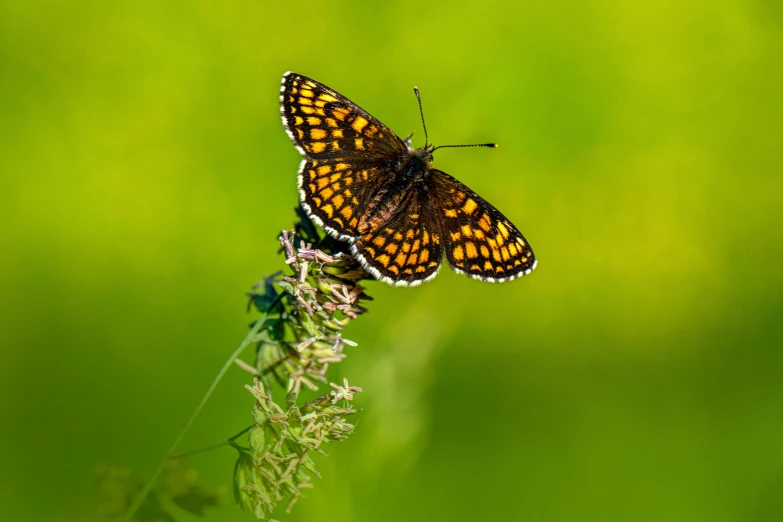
(366,186)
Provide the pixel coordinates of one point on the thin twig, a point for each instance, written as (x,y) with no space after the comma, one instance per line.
(226,442)
(148,485)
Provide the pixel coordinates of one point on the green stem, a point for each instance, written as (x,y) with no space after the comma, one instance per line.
(226,442)
(229,362)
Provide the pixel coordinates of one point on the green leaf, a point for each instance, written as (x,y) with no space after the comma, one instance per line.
(242,469)
(197,499)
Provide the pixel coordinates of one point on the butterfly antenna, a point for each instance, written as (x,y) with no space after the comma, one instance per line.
(421,111)
(490,145)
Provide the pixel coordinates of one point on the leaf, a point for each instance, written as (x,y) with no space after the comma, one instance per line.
(242,470)
(118,488)
(152,510)
(197,499)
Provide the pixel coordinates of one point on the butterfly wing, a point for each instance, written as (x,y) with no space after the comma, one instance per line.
(348,153)
(335,192)
(479,241)
(400,242)
(324,124)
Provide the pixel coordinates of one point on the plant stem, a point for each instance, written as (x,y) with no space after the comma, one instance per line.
(229,362)
(214,445)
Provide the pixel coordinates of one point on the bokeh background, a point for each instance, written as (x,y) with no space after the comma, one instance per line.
(636,375)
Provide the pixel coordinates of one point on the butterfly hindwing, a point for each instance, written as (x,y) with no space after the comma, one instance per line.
(405,248)
(324,124)
(335,192)
(478,240)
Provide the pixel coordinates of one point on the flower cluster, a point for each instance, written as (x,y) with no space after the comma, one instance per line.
(279,462)
(304,313)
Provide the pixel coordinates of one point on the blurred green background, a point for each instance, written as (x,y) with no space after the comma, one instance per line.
(636,375)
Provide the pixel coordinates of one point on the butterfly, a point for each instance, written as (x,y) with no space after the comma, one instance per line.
(365,185)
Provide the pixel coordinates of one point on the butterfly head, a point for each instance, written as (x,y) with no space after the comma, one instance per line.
(418,163)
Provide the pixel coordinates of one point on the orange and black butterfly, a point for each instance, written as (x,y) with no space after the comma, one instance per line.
(366,186)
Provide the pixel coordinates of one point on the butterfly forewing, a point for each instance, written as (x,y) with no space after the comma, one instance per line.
(479,241)
(325,124)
